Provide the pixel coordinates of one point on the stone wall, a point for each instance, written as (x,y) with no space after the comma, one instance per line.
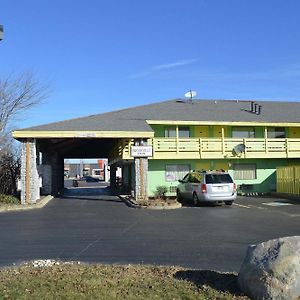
(29,168)
(141,179)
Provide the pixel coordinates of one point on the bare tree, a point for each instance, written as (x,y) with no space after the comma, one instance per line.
(17,94)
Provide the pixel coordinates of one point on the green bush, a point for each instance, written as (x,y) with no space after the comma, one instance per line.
(8,199)
(161,192)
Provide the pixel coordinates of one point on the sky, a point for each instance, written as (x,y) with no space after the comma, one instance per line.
(98,56)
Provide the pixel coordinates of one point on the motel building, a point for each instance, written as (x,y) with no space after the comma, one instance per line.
(157,144)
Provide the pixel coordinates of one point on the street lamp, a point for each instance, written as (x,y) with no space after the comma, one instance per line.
(1,32)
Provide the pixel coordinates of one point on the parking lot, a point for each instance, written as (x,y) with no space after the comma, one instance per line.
(94,226)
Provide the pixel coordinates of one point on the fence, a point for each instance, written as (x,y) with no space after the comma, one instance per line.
(288,180)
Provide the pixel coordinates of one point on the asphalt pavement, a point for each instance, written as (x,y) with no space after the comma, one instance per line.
(91,225)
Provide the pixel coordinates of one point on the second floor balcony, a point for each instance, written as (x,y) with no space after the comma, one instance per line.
(215,148)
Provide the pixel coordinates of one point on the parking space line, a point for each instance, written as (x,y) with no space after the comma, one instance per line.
(259,207)
(244,206)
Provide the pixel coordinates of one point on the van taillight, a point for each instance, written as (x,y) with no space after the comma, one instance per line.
(203,188)
(234,187)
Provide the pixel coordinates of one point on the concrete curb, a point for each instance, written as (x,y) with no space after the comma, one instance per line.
(131,204)
(44,201)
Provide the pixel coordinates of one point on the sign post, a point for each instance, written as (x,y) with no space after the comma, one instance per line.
(141,154)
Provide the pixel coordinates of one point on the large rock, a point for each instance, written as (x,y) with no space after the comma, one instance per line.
(271,270)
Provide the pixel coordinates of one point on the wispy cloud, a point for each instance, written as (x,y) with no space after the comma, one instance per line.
(167,66)
(176,64)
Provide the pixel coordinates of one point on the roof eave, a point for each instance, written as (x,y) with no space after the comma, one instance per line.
(23,134)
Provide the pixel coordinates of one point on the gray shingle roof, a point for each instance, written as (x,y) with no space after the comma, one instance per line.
(133,119)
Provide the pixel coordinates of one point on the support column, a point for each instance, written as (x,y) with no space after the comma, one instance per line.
(141,178)
(30,184)
(52,171)
(113,176)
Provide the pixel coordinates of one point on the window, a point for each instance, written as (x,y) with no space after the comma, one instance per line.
(243,132)
(183,132)
(276,132)
(176,172)
(244,172)
(218,178)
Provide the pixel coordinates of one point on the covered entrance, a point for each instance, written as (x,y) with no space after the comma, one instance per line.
(42,162)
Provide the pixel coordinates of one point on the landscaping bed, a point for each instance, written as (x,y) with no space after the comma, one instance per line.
(57,280)
(11,203)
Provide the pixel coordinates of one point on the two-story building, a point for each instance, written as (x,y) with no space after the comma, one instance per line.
(157,144)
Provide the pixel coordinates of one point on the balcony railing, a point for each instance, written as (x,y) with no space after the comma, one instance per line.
(206,148)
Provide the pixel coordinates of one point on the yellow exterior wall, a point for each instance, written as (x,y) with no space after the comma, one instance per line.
(288,180)
(294,132)
(217,130)
(203,165)
(201,131)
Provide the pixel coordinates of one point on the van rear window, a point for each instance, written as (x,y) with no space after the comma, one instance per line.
(218,178)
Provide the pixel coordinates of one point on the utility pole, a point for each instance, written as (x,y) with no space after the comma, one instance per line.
(1,32)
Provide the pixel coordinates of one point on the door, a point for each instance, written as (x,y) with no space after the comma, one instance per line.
(201,131)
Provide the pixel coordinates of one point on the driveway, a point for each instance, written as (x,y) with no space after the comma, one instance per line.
(91,225)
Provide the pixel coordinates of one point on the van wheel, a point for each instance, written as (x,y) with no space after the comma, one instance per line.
(178,195)
(195,199)
(228,202)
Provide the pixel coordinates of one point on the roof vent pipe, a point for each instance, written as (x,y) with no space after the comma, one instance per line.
(255,107)
(252,106)
(258,110)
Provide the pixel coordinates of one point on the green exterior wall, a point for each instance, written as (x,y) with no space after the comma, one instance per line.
(265,168)
(265,171)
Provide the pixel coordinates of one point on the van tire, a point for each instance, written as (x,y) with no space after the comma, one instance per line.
(195,199)
(228,202)
(178,196)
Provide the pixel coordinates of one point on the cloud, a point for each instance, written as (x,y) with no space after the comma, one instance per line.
(176,64)
(167,66)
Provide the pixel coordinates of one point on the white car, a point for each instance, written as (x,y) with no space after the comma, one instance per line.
(211,186)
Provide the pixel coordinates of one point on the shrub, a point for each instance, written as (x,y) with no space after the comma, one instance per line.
(161,192)
(8,199)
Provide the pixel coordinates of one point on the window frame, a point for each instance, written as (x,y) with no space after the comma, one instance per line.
(181,129)
(169,177)
(273,131)
(244,177)
(248,129)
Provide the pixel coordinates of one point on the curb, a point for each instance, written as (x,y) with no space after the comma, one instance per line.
(44,201)
(131,204)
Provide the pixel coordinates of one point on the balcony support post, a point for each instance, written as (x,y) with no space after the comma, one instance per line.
(223,141)
(266,140)
(177,140)
(245,153)
(200,147)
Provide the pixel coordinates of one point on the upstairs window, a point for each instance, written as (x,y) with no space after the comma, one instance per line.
(183,132)
(276,132)
(243,132)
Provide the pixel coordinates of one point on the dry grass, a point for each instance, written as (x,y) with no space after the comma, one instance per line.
(73,281)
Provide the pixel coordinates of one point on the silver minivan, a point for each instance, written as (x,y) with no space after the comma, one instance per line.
(211,186)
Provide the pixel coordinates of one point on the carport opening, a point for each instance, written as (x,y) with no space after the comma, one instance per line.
(87,173)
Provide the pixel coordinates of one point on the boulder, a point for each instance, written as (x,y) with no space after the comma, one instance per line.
(271,270)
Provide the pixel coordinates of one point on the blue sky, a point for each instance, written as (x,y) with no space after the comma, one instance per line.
(99,56)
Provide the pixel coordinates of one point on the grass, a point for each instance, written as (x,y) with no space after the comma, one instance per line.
(77,281)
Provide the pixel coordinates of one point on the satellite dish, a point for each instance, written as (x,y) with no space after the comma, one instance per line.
(239,149)
(190,94)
